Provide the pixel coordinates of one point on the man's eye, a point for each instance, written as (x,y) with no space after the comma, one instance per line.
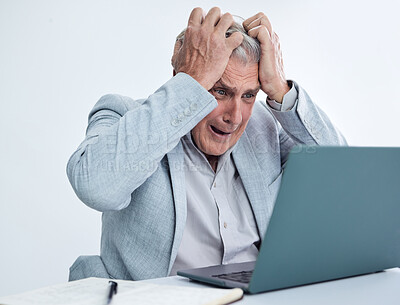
(220,91)
(248,95)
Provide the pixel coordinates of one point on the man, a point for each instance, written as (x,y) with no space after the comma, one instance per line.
(188,177)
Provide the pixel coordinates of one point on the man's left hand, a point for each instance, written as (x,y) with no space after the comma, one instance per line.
(271,74)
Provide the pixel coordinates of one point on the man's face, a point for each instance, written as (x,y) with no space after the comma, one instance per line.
(236,93)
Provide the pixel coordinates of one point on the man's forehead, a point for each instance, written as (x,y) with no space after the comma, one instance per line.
(240,75)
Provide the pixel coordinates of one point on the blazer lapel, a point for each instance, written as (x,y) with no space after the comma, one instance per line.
(177,172)
(254,182)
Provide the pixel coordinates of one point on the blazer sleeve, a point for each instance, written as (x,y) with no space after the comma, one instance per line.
(126,140)
(305,124)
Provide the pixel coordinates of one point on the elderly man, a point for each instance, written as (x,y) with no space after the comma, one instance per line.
(188,177)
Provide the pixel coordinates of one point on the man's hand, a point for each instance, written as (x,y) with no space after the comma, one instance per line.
(205,51)
(271,74)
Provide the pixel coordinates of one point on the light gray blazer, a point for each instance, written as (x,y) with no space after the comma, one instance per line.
(130,167)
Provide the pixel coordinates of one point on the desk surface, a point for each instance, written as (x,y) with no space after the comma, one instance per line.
(377,288)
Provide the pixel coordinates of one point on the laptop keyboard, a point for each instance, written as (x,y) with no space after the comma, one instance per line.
(242,276)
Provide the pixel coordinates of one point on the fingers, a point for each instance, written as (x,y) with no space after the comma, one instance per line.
(257,20)
(271,73)
(261,21)
(234,40)
(261,33)
(196,16)
(224,23)
(214,21)
(212,17)
(247,22)
(205,51)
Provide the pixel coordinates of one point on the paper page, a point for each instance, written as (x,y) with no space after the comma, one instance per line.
(95,290)
(172,295)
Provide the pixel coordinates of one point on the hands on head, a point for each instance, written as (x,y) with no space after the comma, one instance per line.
(205,51)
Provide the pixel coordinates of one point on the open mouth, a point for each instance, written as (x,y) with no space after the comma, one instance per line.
(217,131)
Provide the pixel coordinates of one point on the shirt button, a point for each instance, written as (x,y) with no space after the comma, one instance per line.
(193,106)
(225,225)
(215,184)
(175,122)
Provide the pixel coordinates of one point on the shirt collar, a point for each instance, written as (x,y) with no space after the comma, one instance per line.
(187,139)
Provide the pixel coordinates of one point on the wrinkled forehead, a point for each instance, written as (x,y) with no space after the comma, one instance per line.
(240,76)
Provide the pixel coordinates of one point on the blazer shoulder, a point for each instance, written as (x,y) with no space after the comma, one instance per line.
(117,103)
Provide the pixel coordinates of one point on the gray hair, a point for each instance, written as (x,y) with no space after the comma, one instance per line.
(249,51)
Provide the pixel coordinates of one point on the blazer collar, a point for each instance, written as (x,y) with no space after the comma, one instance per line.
(177,172)
(254,183)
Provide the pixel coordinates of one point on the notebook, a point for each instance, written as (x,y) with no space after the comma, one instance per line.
(336,215)
(94,291)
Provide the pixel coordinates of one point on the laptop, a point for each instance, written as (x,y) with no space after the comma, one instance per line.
(337,214)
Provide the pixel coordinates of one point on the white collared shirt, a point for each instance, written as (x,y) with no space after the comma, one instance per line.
(220,225)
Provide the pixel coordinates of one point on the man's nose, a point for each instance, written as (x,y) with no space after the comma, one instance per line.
(233,113)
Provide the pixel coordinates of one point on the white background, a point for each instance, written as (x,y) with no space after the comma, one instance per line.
(57,58)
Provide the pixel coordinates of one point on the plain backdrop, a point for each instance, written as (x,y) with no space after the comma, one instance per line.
(57,58)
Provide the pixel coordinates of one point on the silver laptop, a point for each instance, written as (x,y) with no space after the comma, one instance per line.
(337,215)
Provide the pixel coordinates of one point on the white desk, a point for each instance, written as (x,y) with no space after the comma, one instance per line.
(379,288)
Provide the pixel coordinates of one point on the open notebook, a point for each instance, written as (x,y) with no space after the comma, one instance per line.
(94,291)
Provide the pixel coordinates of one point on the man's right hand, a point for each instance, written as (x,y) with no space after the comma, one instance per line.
(205,51)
